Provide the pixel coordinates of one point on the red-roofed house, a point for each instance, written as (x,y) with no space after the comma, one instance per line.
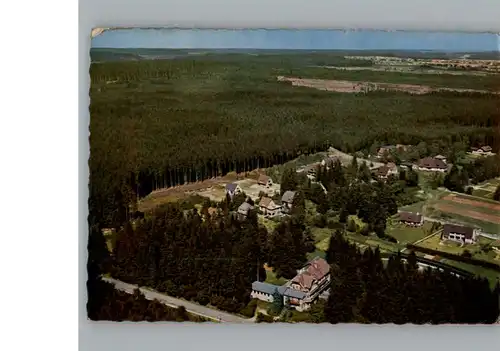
(311,280)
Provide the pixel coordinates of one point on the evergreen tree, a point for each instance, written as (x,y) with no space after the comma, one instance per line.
(496,195)
(412,178)
(289,181)
(277,304)
(364,173)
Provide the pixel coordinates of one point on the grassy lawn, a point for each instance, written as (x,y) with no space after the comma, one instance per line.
(316,253)
(373,242)
(408,235)
(358,221)
(262,306)
(269,224)
(311,212)
(416,207)
(485,194)
(323,244)
(271,278)
(434,243)
(321,234)
(110,237)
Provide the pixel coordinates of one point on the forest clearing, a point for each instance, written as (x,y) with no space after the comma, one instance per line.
(342,86)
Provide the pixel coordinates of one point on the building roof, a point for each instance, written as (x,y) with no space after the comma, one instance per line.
(391,166)
(304,279)
(288,196)
(440,157)
(432,162)
(314,270)
(289,292)
(382,171)
(245,207)
(468,232)
(263,179)
(410,217)
(318,268)
(231,187)
(486,148)
(264,287)
(267,202)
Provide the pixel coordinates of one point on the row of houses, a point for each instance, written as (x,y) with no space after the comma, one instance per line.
(233,189)
(483,150)
(386,149)
(453,232)
(427,164)
(300,292)
(268,207)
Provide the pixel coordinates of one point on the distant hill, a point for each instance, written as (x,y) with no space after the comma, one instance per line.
(111,54)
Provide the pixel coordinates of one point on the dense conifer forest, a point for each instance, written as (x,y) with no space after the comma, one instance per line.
(162,123)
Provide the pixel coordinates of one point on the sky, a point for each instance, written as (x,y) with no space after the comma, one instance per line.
(295,39)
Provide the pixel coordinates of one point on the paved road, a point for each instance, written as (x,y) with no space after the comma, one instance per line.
(174,302)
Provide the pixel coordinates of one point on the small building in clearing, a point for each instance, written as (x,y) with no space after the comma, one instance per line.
(233,189)
(431,164)
(264,180)
(483,150)
(411,219)
(287,200)
(269,208)
(458,233)
(243,210)
(387,170)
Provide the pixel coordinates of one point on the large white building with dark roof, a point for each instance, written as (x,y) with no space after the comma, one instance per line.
(300,292)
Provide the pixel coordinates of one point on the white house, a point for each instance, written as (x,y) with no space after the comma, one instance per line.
(243,210)
(269,208)
(263,291)
(287,200)
(411,219)
(458,233)
(431,164)
(483,150)
(233,189)
(265,181)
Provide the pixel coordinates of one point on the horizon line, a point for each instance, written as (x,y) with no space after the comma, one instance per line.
(284,49)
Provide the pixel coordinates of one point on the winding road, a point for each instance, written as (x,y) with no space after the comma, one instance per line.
(170,301)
